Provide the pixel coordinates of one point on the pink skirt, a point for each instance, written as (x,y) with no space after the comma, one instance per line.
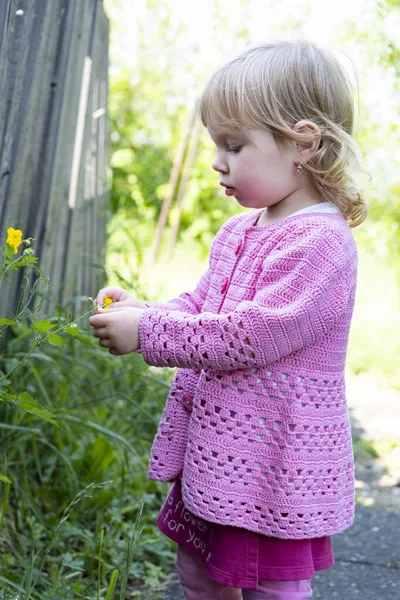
(237,557)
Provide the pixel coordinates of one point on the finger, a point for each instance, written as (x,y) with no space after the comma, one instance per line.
(100,332)
(106,343)
(120,303)
(111,292)
(100,309)
(98,320)
(100,296)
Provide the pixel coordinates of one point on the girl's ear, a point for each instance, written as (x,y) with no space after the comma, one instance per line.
(309,147)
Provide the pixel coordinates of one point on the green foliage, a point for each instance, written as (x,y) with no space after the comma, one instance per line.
(106,408)
(361,448)
(374,342)
(149,108)
(378,131)
(76,427)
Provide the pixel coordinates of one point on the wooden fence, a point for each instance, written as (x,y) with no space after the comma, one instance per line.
(54,140)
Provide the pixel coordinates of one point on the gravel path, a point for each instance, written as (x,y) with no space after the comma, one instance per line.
(375,409)
(375,415)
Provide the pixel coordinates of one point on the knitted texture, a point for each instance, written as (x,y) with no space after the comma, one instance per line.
(168,451)
(267,445)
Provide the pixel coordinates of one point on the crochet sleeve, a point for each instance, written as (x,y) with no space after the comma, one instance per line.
(303,288)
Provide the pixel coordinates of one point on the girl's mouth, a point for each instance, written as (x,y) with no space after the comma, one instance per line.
(230,191)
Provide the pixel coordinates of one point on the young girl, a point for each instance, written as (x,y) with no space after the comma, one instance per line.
(255,433)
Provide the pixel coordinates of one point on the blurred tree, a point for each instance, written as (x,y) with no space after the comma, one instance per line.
(152,91)
(149,104)
(140,161)
(375,39)
(388,209)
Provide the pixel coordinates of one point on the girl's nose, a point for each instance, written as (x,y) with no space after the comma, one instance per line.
(219,165)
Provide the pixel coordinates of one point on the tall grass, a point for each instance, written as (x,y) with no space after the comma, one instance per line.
(375,342)
(83,481)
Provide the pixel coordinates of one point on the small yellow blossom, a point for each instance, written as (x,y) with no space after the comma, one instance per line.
(14,238)
(107,302)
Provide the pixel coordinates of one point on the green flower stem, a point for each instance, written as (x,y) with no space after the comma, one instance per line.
(27,355)
(63,327)
(5,270)
(40,340)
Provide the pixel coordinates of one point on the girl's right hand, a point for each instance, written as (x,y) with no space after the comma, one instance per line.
(119,295)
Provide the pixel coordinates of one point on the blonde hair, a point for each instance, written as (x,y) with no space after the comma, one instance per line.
(272,87)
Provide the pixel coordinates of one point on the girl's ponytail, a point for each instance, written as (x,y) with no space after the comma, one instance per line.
(332,169)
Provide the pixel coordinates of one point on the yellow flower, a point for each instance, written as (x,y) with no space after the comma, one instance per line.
(107,302)
(14,238)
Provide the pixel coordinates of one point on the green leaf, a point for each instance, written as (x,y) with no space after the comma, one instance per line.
(4,321)
(55,340)
(26,402)
(40,412)
(6,496)
(4,478)
(107,432)
(43,326)
(23,261)
(86,341)
(9,252)
(112,584)
(73,330)
(26,260)
(102,455)
(78,334)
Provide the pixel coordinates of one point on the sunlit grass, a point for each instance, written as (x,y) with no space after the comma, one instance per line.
(374,341)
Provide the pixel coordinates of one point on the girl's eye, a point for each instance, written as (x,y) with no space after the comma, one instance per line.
(235,149)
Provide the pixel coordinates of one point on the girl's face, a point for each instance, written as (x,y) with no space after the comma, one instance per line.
(253,168)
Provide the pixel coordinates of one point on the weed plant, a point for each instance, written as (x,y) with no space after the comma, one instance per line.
(76,425)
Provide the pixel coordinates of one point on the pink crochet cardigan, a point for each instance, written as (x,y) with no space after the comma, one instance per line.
(256,421)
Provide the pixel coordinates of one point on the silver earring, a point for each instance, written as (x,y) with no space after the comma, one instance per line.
(299,168)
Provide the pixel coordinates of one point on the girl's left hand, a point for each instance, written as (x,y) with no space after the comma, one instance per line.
(117,329)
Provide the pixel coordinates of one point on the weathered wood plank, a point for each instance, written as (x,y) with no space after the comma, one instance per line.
(84,279)
(30,173)
(60,217)
(19,33)
(54,138)
(76,249)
